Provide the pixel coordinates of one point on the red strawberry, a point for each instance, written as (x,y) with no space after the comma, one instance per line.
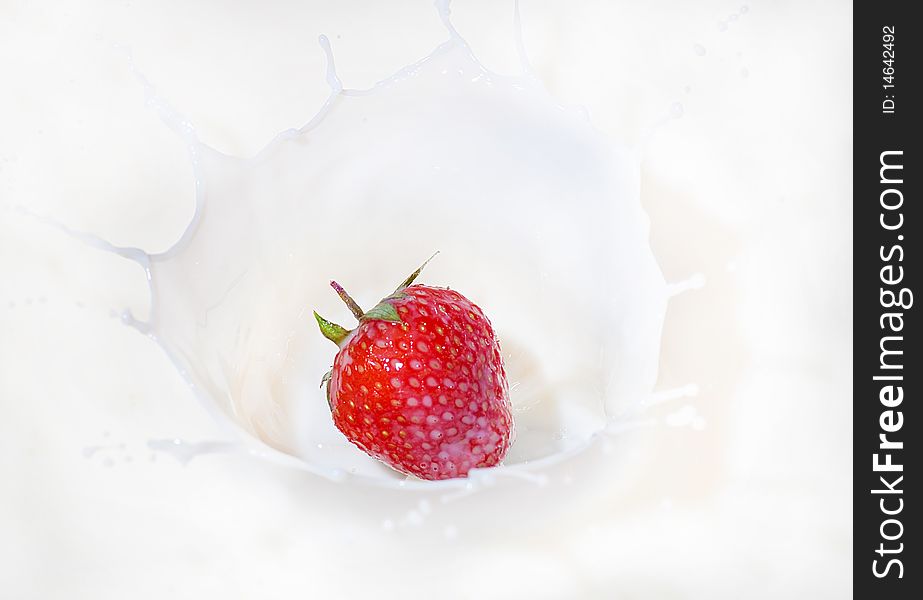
(420,384)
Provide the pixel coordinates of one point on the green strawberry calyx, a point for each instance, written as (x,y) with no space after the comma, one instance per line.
(333,332)
(383,311)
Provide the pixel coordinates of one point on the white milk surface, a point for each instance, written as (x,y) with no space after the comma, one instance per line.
(533,211)
(624,191)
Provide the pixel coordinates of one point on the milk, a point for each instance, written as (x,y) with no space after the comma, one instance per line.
(535,213)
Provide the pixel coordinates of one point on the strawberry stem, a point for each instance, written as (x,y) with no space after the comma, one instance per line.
(353,307)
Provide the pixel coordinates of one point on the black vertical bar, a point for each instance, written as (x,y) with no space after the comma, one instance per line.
(887,369)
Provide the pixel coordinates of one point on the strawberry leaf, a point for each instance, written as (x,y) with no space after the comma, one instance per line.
(333,332)
(326,381)
(383,311)
(413,276)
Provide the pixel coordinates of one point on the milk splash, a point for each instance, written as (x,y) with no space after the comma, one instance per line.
(537,217)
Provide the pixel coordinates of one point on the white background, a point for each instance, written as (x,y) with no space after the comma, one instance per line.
(751,187)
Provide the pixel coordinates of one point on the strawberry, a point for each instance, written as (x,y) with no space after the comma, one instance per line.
(420,384)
